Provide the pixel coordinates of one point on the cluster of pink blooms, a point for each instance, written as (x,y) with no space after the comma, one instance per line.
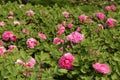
(29,64)
(31,43)
(100,16)
(61,29)
(101,68)
(110,22)
(66,61)
(42,36)
(3,49)
(30,13)
(7,35)
(110,8)
(58,41)
(75,37)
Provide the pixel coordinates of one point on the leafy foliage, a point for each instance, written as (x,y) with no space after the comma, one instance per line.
(105,43)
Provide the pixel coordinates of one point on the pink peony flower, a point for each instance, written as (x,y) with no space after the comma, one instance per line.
(25,31)
(66,61)
(89,20)
(2,50)
(31,63)
(13,38)
(20,62)
(110,8)
(78,29)
(42,36)
(61,29)
(100,16)
(113,7)
(82,18)
(11,47)
(107,8)
(57,41)
(31,43)
(75,37)
(110,22)
(30,13)
(10,17)
(17,22)
(1,42)
(7,35)
(70,25)
(2,23)
(11,13)
(101,68)
(66,14)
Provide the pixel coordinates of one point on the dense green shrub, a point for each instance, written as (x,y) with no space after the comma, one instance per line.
(105,43)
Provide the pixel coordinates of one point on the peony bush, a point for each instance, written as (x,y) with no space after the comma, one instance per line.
(59,43)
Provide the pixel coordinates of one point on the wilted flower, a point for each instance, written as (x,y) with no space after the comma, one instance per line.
(75,37)
(66,61)
(110,22)
(31,43)
(7,35)
(101,68)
